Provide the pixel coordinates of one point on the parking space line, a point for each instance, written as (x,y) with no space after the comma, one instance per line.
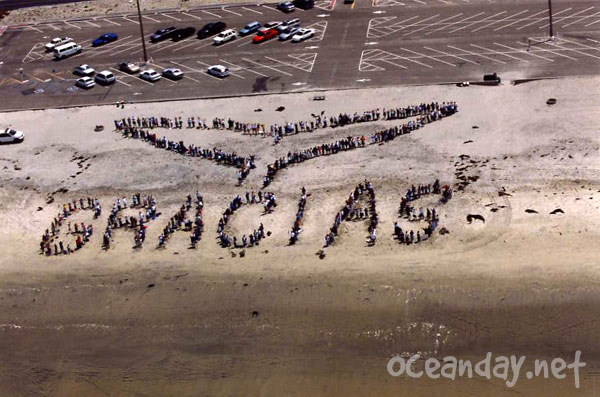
(191,15)
(543,19)
(501,20)
(203,72)
(530,52)
(499,53)
(235,13)
(169,16)
(418,22)
(250,9)
(71,24)
(436,23)
(131,20)
(36,29)
(454,23)
(397,65)
(52,26)
(93,24)
(574,50)
(581,19)
(478,55)
(476,22)
(129,44)
(563,18)
(241,67)
(593,23)
(451,55)
(520,20)
(163,68)
(152,19)
(428,56)
(185,46)
(54,75)
(163,47)
(113,22)
(582,45)
(553,52)
(210,13)
(122,82)
(288,64)
(268,67)
(267,7)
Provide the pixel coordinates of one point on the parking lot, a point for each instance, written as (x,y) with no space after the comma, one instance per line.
(354,45)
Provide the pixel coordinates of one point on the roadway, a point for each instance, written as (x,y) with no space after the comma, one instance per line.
(367,44)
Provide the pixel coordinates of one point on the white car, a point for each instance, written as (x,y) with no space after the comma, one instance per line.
(218,71)
(150,75)
(225,36)
(303,34)
(173,73)
(11,136)
(84,70)
(85,82)
(55,42)
(105,77)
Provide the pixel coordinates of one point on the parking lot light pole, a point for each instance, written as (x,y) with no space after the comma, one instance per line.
(142,31)
(550,19)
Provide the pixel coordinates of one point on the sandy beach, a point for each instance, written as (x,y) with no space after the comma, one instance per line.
(279,320)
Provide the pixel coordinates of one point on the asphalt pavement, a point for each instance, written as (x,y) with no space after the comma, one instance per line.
(363,44)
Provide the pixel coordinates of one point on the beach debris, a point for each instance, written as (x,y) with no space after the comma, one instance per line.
(472,217)
(530,211)
(444,231)
(255,314)
(280,109)
(469,141)
(150,285)
(557,211)
(551,101)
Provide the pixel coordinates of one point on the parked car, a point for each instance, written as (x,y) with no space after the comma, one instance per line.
(162,34)
(210,29)
(264,35)
(218,71)
(173,73)
(150,75)
(304,4)
(105,78)
(65,50)
(55,42)
(11,136)
(286,6)
(105,39)
(85,82)
(290,23)
(129,67)
(288,33)
(225,36)
(272,24)
(83,70)
(183,33)
(249,28)
(303,34)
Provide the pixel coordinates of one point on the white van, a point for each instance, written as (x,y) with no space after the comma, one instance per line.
(66,50)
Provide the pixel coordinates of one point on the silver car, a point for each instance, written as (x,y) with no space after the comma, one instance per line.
(288,33)
(218,71)
(85,82)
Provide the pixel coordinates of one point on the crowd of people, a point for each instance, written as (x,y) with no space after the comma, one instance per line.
(297,226)
(351,211)
(412,214)
(427,112)
(244,164)
(51,244)
(268,201)
(146,206)
(180,221)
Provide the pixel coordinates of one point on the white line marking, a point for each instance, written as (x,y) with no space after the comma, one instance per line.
(191,15)
(593,23)
(499,53)
(563,18)
(581,44)
(152,19)
(428,56)
(250,9)
(398,65)
(474,53)
(131,20)
(210,13)
(581,19)
(38,30)
(122,82)
(553,52)
(520,20)
(454,23)
(436,23)
(241,67)
(230,72)
(235,13)
(287,64)
(451,55)
(476,22)
(169,16)
(109,21)
(542,19)
(91,23)
(71,24)
(530,52)
(268,67)
(203,72)
(501,20)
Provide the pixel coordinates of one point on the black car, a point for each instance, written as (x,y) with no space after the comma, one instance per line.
(162,34)
(286,6)
(304,4)
(183,33)
(211,29)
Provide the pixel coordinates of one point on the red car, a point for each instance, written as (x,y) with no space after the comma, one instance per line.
(264,35)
